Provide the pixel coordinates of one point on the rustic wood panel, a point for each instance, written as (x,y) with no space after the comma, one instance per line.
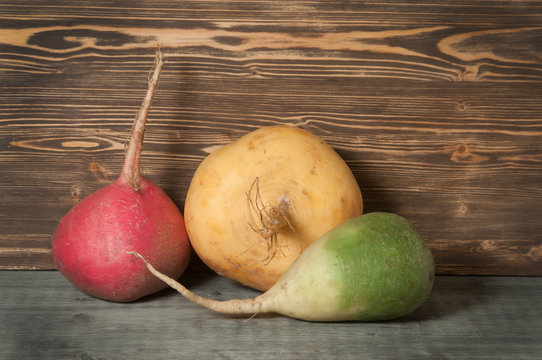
(44,317)
(434,105)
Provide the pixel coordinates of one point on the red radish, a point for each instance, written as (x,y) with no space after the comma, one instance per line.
(132,213)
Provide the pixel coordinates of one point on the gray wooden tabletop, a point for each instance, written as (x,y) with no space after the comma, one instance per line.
(42,316)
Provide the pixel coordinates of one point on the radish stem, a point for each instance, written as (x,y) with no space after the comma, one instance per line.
(131,167)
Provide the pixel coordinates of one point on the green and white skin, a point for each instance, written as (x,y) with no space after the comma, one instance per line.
(373,267)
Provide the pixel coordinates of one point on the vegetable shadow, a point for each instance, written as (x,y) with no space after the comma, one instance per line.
(451,295)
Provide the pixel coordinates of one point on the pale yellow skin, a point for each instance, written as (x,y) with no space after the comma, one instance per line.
(298,175)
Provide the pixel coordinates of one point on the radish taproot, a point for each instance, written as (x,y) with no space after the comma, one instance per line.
(373,267)
(89,245)
(255,204)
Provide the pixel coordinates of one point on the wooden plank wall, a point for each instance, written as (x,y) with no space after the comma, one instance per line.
(435,105)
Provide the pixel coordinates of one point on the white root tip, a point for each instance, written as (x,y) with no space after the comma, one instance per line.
(235,306)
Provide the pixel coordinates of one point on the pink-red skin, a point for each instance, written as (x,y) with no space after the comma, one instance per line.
(91,242)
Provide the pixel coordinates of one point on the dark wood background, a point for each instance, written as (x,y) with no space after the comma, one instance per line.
(435,105)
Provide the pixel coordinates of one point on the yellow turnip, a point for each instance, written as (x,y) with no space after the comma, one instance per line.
(255,204)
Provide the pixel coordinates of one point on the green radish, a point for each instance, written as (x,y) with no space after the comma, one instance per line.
(372,267)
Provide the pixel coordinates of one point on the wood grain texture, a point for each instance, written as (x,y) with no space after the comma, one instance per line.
(45,317)
(434,105)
